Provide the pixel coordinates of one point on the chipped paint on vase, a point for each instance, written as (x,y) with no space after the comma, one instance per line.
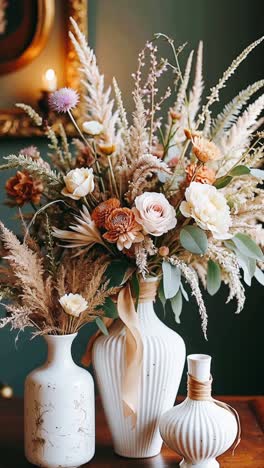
(59,410)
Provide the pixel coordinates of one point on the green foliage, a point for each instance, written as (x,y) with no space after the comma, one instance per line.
(116,271)
(213,277)
(222,182)
(176,305)
(239,170)
(135,288)
(101,326)
(247,246)
(171,279)
(109,308)
(161,294)
(194,239)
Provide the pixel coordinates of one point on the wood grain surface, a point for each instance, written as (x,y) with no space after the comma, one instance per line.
(249,454)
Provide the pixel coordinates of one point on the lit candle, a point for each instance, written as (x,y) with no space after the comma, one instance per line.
(49,80)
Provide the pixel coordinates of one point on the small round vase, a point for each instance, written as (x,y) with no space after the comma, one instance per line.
(163,361)
(200,431)
(59,409)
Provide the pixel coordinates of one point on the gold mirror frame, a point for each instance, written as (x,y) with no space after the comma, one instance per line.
(14,122)
(46,11)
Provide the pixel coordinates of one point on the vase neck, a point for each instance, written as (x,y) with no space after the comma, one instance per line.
(199,366)
(148,290)
(59,350)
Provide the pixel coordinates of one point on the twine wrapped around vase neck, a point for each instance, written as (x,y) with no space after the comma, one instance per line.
(148,290)
(202,391)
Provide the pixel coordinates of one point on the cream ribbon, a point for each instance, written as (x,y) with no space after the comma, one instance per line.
(133,353)
(133,344)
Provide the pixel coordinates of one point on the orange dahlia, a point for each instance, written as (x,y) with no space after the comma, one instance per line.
(203,175)
(103,210)
(23,188)
(122,228)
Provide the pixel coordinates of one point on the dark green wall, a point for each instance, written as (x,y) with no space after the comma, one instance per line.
(117,31)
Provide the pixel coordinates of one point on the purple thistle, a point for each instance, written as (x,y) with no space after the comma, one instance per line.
(63,100)
(30,152)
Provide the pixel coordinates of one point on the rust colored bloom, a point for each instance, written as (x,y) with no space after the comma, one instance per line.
(23,188)
(123,229)
(103,210)
(204,175)
(164,251)
(191,134)
(205,150)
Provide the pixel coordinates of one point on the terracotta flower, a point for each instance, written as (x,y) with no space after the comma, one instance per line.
(204,175)
(103,210)
(123,229)
(23,188)
(205,150)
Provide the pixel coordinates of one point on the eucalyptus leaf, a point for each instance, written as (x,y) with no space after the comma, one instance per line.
(222,182)
(247,246)
(101,326)
(184,292)
(239,170)
(110,309)
(194,239)
(162,297)
(259,275)
(171,279)
(176,305)
(258,173)
(213,277)
(248,266)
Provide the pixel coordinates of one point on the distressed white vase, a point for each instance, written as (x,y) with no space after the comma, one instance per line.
(59,409)
(200,431)
(163,362)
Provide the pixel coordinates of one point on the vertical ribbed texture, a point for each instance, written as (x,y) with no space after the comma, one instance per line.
(200,431)
(163,361)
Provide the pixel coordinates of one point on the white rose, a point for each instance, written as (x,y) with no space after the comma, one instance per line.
(73,304)
(92,127)
(78,183)
(154,213)
(209,208)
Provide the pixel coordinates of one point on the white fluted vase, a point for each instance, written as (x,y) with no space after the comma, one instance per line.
(163,362)
(199,431)
(59,409)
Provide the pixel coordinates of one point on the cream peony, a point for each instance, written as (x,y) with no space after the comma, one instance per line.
(78,183)
(73,304)
(208,207)
(92,127)
(154,213)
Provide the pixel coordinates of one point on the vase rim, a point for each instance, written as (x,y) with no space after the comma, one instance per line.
(60,337)
(199,357)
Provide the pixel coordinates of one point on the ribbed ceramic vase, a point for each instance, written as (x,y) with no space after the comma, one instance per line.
(163,361)
(59,410)
(199,431)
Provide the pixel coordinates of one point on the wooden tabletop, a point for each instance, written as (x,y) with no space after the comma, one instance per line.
(249,454)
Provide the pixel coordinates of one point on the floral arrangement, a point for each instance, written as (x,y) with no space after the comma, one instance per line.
(179,199)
